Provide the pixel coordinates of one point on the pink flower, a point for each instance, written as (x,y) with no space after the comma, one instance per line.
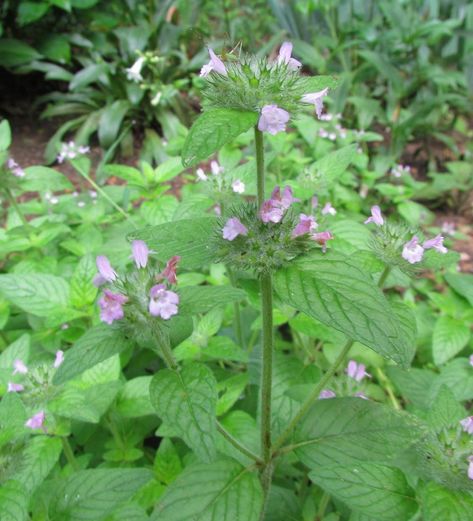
(215,168)
(305,225)
(286,199)
(314,202)
(111,306)
(163,303)
(273,209)
(14,388)
(99,280)
(326,393)
(328,208)
(169,271)
(19,367)
(238,186)
(140,253)
(470,467)
(15,168)
(316,98)
(376,216)
(105,268)
(467,424)
(233,228)
(201,174)
(215,64)
(36,421)
(285,56)
(273,119)
(218,210)
(413,251)
(322,238)
(356,371)
(436,243)
(59,359)
(471,360)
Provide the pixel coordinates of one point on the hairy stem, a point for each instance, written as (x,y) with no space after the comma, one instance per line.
(236,309)
(259,166)
(66,447)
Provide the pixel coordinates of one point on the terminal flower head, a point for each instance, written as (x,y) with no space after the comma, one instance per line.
(273,119)
(215,64)
(15,168)
(376,216)
(163,303)
(326,393)
(59,359)
(133,73)
(467,424)
(238,186)
(329,209)
(413,251)
(111,306)
(14,388)
(233,228)
(322,238)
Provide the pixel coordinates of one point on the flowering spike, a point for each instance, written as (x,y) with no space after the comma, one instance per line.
(111,306)
(316,98)
(59,359)
(215,64)
(14,388)
(169,271)
(356,371)
(163,303)
(413,251)
(233,228)
(36,421)
(376,216)
(436,243)
(140,253)
(19,367)
(105,268)
(285,56)
(273,119)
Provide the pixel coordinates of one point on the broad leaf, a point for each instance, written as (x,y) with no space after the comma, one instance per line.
(219,491)
(450,336)
(96,345)
(187,401)
(333,290)
(20,349)
(188,238)
(200,299)
(334,164)
(346,430)
(167,463)
(16,52)
(462,283)
(111,120)
(374,490)
(43,179)
(439,503)
(13,502)
(212,130)
(5,135)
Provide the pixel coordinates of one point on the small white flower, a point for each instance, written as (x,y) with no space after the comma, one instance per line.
(238,186)
(133,73)
(201,174)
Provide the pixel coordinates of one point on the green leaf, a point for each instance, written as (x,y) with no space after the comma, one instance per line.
(439,503)
(167,464)
(88,75)
(333,290)
(42,295)
(44,179)
(5,135)
(219,491)
(133,400)
(244,428)
(89,495)
(317,83)
(212,130)
(13,502)
(188,238)
(462,283)
(16,52)
(374,490)
(95,346)
(450,336)
(347,430)
(334,164)
(37,461)
(19,349)
(56,47)
(29,12)
(168,170)
(445,412)
(187,401)
(83,291)
(111,120)
(200,299)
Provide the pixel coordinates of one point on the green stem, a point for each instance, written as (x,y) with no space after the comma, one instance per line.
(389,389)
(384,276)
(266,479)
(13,202)
(236,308)
(313,396)
(324,501)
(259,166)
(66,446)
(267,366)
(237,444)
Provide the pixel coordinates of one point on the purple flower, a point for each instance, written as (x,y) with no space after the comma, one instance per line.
(326,393)
(467,424)
(361,395)
(470,467)
(238,186)
(215,168)
(15,168)
(140,253)
(305,225)
(19,367)
(111,306)
(14,388)
(59,359)
(376,216)
(215,64)
(322,238)
(471,360)
(285,56)
(356,371)
(105,268)
(448,228)
(328,208)
(286,199)
(413,251)
(36,421)
(316,98)
(271,212)
(163,303)
(98,280)
(70,151)
(233,228)
(273,119)
(436,243)
(314,202)
(169,271)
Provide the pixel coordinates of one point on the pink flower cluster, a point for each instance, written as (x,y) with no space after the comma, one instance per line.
(273,119)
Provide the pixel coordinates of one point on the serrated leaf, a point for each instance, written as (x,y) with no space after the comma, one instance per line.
(95,346)
(445,412)
(20,349)
(89,495)
(188,238)
(334,164)
(212,130)
(187,401)
(374,490)
(219,491)
(450,336)
(39,294)
(346,430)
(167,463)
(333,290)
(13,501)
(439,503)
(201,299)
(44,179)
(83,291)
(462,283)
(133,400)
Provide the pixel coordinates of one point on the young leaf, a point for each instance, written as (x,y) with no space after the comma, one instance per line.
(219,491)
(374,490)
(187,401)
(167,464)
(333,290)
(212,130)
